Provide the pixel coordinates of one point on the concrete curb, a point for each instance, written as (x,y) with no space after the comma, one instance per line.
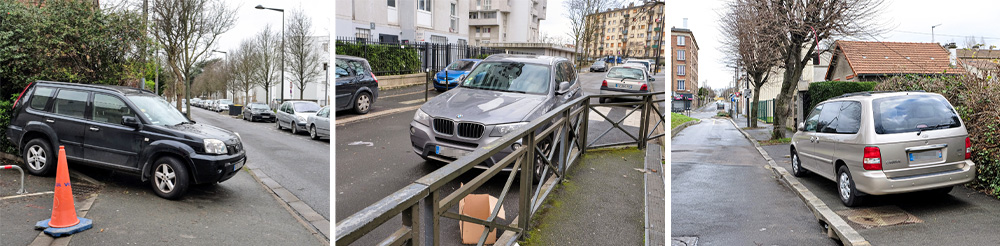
(682,126)
(341,122)
(655,235)
(835,226)
(312,221)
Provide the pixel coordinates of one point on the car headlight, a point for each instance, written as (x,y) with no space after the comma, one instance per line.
(503,129)
(215,146)
(238,137)
(300,118)
(422,118)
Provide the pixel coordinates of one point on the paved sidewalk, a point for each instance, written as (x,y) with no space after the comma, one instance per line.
(600,203)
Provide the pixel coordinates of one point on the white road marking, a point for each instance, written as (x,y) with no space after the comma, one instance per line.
(594,117)
(412,101)
(370,144)
(27,195)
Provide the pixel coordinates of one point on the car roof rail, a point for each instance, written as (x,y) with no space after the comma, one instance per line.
(869,93)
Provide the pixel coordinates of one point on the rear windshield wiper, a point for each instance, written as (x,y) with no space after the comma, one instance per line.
(939,126)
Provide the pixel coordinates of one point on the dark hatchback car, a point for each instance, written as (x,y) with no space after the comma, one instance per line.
(357,87)
(258,111)
(599,66)
(123,129)
(448,78)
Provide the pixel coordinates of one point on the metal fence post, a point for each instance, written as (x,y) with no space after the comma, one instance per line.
(527,170)
(584,126)
(425,230)
(447,54)
(644,125)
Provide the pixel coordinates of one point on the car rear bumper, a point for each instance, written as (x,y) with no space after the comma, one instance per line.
(876,183)
(216,168)
(613,91)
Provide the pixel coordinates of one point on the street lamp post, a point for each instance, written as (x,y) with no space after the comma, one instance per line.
(282,87)
(932,32)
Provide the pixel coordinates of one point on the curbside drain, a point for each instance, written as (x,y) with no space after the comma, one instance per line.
(878,217)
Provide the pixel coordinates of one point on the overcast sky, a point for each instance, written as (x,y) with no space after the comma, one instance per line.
(912,20)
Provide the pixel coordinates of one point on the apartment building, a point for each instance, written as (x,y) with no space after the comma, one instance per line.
(432,21)
(684,61)
(635,31)
(505,21)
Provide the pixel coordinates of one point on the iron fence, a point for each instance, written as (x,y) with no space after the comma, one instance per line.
(433,56)
(765,111)
(547,147)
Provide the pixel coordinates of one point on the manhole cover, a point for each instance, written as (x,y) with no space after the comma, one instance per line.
(83,190)
(878,217)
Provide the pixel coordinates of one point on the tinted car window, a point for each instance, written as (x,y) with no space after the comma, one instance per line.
(357,67)
(570,74)
(828,118)
(343,70)
(259,106)
(41,97)
(913,113)
(561,74)
(70,103)
(813,120)
(462,66)
(109,109)
(850,118)
(599,63)
(157,110)
(509,77)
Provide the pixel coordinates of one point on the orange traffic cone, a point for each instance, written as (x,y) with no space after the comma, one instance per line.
(64,220)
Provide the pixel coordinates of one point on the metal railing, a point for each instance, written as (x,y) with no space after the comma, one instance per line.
(547,147)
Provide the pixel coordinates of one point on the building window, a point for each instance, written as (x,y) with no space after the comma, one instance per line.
(680,55)
(424,5)
(473,15)
(439,39)
(363,33)
(489,3)
(680,84)
(680,40)
(477,29)
(391,3)
(681,70)
(454,9)
(489,29)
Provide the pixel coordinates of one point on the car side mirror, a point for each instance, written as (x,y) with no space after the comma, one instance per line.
(563,88)
(802,126)
(462,77)
(652,79)
(130,121)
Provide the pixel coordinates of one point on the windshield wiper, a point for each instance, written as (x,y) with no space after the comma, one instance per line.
(939,126)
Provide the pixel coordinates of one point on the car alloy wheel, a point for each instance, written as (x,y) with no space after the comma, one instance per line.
(39,158)
(312,132)
(165,177)
(797,170)
(849,194)
(363,104)
(295,129)
(277,123)
(845,186)
(170,178)
(36,157)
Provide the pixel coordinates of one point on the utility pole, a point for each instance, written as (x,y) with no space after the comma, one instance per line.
(932,32)
(145,27)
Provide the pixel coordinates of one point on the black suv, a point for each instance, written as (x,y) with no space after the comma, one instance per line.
(124,129)
(357,87)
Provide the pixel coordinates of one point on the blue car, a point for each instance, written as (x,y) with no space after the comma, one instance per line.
(453,71)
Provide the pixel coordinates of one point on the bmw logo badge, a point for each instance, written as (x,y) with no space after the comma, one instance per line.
(459,116)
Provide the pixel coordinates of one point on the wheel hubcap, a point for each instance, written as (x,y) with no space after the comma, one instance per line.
(165,178)
(845,186)
(795,162)
(36,157)
(363,102)
(312,132)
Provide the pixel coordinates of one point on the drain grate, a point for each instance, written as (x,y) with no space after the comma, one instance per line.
(83,190)
(878,217)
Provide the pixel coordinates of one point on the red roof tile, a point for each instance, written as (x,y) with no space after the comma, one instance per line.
(896,57)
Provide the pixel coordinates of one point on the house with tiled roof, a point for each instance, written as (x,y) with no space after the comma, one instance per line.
(876,61)
(978,61)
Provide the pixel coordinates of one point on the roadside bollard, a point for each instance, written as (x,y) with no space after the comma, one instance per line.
(427,72)
(21,191)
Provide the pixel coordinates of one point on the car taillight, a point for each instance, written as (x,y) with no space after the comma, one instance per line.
(968,148)
(604,83)
(872,159)
(22,94)
(643,88)
(373,77)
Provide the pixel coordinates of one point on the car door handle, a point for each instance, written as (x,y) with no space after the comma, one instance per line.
(50,121)
(94,129)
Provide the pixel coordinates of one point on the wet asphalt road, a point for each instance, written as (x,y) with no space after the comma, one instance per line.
(366,174)
(299,164)
(722,194)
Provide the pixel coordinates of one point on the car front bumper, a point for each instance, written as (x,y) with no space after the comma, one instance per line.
(216,168)
(440,83)
(876,183)
(424,142)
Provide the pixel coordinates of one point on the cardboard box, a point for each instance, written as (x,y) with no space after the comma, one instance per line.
(478,206)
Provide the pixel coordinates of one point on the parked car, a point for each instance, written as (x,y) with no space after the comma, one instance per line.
(448,78)
(123,129)
(258,111)
(223,105)
(884,143)
(720,106)
(646,64)
(599,66)
(195,101)
(293,114)
(502,93)
(628,78)
(357,87)
(319,124)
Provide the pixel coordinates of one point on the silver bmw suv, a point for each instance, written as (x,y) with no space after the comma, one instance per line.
(502,93)
(884,143)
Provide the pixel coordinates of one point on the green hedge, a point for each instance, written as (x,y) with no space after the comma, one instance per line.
(821,91)
(384,59)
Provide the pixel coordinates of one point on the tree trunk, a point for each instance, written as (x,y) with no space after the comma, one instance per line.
(753,111)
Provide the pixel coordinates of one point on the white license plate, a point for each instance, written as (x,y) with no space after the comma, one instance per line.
(265,117)
(925,155)
(450,152)
(626,86)
(239,164)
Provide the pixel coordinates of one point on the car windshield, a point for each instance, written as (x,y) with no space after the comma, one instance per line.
(638,62)
(625,73)
(599,63)
(259,106)
(461,66)
(305,107)
(157,110)
(509,77)
(913,113)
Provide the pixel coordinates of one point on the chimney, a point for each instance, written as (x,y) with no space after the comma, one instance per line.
(685,23)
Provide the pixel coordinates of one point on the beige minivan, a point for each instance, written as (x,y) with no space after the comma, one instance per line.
(884,143)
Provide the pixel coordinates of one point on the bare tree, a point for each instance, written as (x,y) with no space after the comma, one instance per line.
(213,79)
(243,65)
(751,43)
(582,30)
(268,73)
(187,29)
(302,60)
(803,24)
